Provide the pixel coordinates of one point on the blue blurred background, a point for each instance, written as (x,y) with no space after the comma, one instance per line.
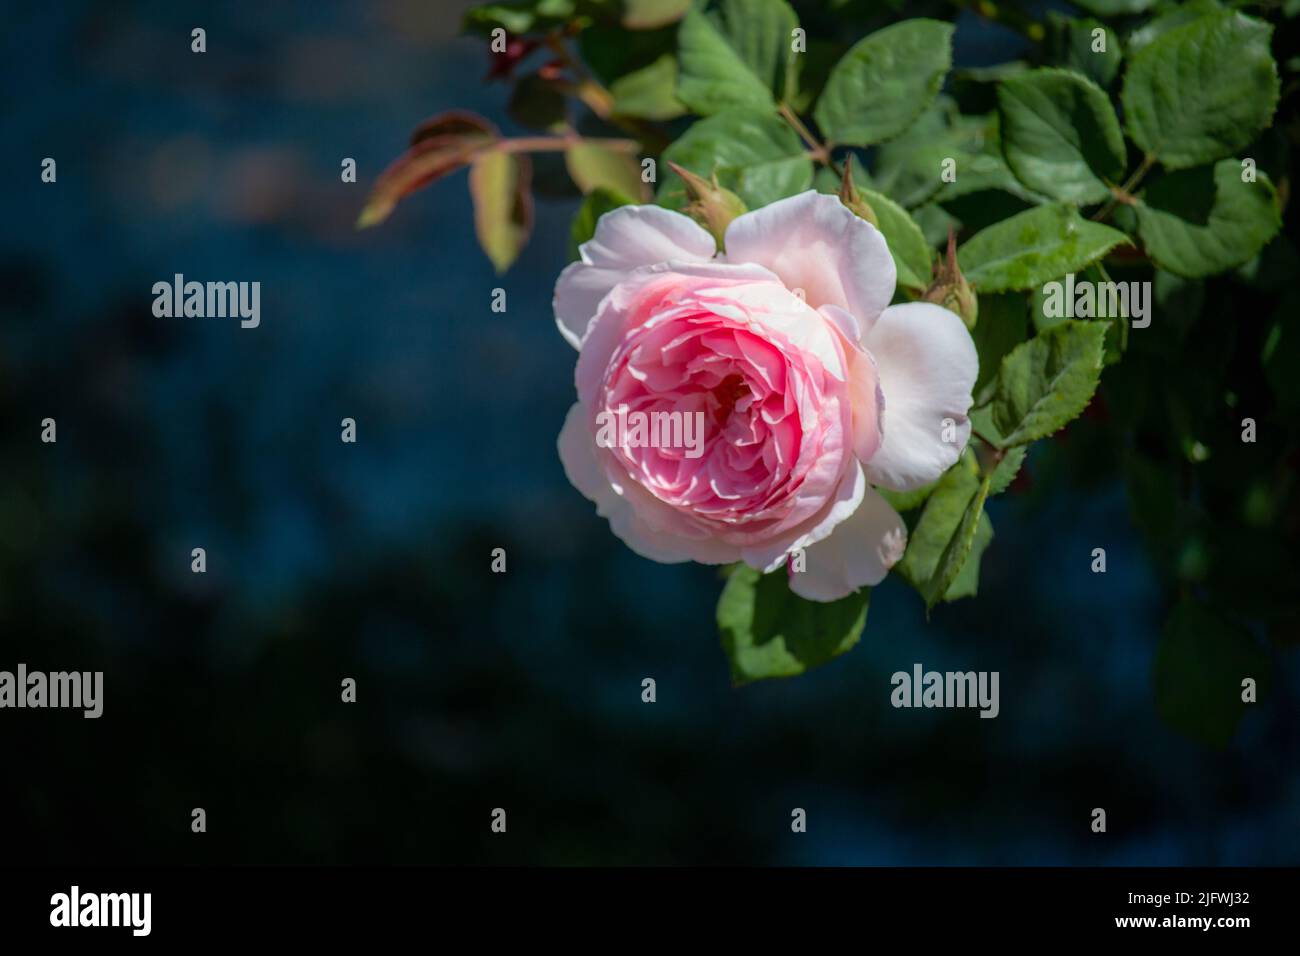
(328,560)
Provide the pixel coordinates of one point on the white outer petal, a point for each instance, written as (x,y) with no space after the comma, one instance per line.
(813,242)
(927,365)
(858,553)
(626,238)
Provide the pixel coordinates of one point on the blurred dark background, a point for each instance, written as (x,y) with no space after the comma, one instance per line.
(372,561)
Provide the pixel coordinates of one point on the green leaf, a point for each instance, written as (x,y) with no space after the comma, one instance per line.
(927,543)
(1072,44)
(902,501)
(912,258)
(945,504)
(769,631)
(1002,325)
(1201,91)
(1199,667)
(1033,247)
(1004,473)
(885,82)
(737,53)
(648,92)
(1083,297)
(598,202)
(983,172)
(1060,135)
(935,221)
(910,168)
(907,168)
(1182,14)
(612,52)
(967,581)
(1048,381)
(1199,222)
(960,546)
(815,67)
(754,154)
(596,167)
(503,205)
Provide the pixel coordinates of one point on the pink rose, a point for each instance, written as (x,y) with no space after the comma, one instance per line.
(797,387)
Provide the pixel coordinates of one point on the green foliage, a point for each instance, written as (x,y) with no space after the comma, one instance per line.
(648,92)
(1074,44)
(1002,326)
(753,153)
(1034,247)
(959,548)
(1203,221)
(885,82)
(1060,135)
(1046,382)
(911,252)
(1202,90)
(769,631)
(1006,470)
(1028,165)
(950,536)
(1175,16)
(737,53)
(593,166)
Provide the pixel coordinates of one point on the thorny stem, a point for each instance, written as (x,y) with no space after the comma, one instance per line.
(996,454)
(1124,194)
(820,152)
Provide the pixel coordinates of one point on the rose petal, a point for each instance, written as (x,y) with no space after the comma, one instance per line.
(840,507)
(865,394)
(625,238)
(927,366)
(627,512)
(814,243)
(641,293)
(858,553)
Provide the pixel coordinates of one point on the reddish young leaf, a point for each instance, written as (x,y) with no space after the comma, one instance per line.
(439,146)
